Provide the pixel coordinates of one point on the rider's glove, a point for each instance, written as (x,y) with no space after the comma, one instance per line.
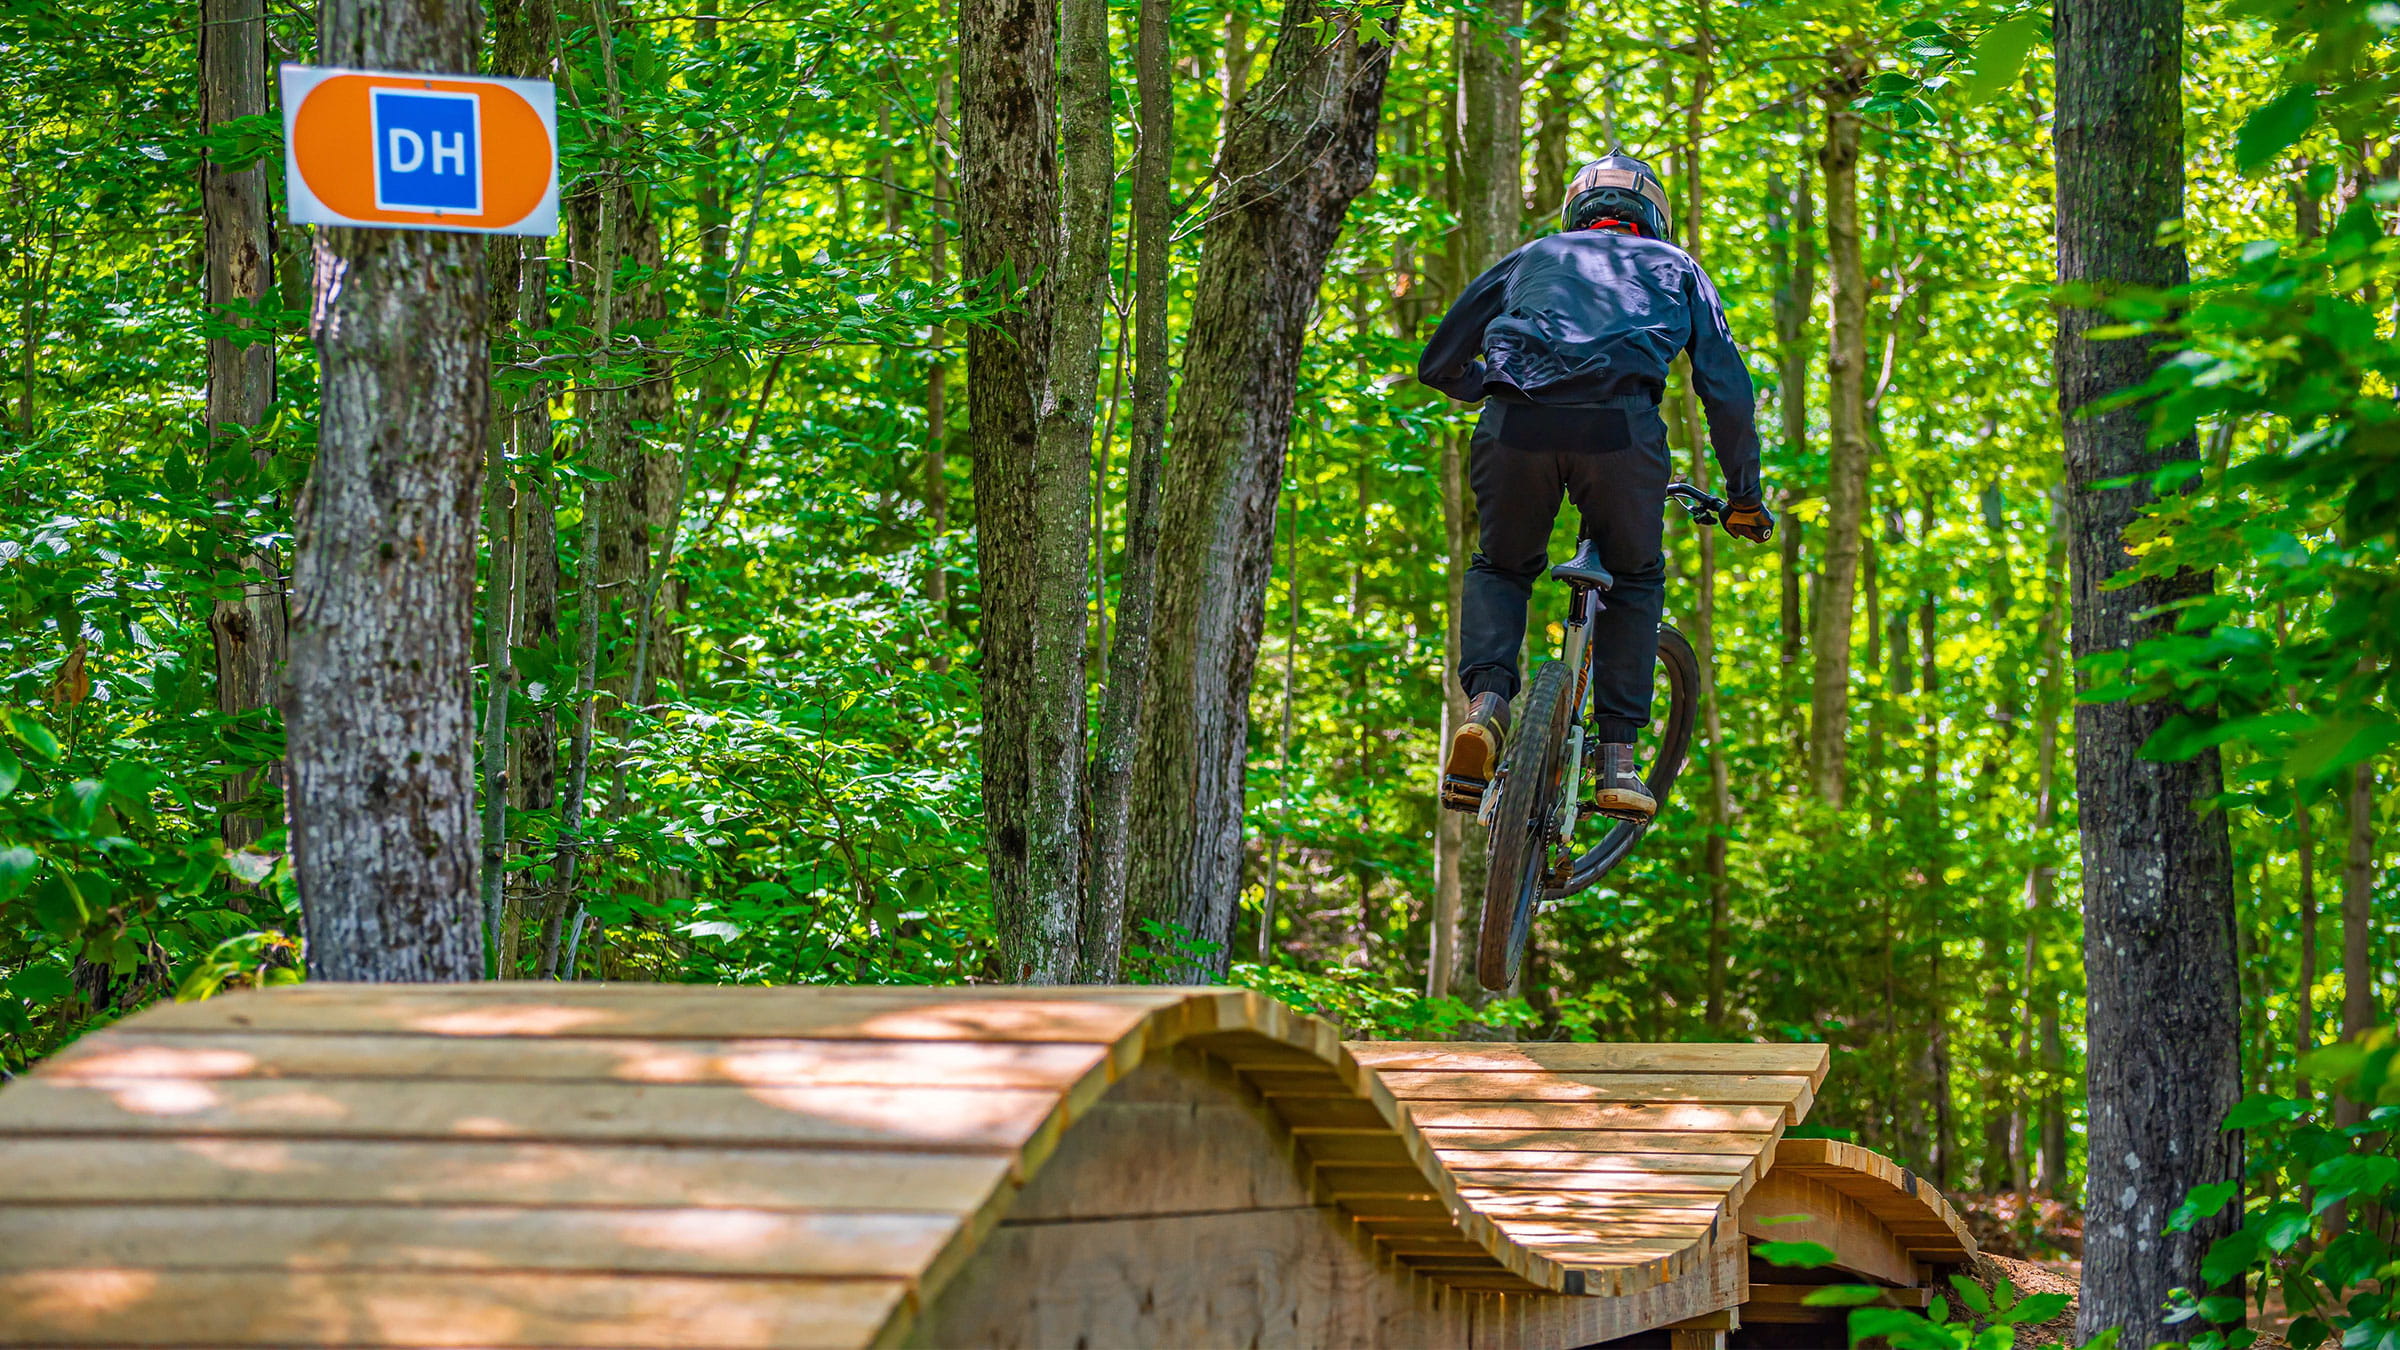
(1751,521)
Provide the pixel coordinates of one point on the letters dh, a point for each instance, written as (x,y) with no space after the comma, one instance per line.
(428,150)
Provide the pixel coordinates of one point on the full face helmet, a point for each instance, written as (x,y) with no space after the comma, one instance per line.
(1618,189)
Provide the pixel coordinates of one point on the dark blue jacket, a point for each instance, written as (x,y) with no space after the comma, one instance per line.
(1585,316)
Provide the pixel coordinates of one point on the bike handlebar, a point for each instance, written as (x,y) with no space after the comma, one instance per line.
(1704,509)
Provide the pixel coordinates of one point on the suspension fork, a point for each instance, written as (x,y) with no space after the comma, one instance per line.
(1582,605)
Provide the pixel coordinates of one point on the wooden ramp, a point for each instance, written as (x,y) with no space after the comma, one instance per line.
(658,1165)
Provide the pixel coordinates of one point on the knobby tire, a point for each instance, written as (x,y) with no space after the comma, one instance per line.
(1513,881)
(1519,852)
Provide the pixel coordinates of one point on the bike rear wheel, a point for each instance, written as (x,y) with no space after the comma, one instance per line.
(1679,681)
(1530,783)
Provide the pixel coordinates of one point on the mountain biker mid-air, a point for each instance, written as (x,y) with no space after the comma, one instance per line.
(1567,343)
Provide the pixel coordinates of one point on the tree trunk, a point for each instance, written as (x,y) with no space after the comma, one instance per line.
(1111,784)
(1490,118)
(2358,922)
(1032,477)
(1551,169)
(524,534)
(2162,1008)
(2304,998)
(1794,250)
(2041,881)
(250,633)
(1846,466)
(1704,612)
(382,722)
(1481,141)
(937,374)
(1301,150)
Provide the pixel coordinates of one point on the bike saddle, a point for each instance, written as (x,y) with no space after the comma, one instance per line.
(1584,568)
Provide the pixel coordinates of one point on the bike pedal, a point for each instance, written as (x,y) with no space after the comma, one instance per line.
(1462,794)
(1595,809)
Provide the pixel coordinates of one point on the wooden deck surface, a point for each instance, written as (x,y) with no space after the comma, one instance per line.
(641,1165)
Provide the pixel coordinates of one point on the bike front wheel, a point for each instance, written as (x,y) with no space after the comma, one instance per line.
(1679,685)
(1530,783)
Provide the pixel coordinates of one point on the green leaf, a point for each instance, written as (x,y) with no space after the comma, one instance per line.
(1805,1255)
(2229,1256)
(2037,1308)
(1999,55)
(2274,127)
(1971,1294)
(17,866)
(1842,1296)
(2337,1179)
(11,771)
(2200,1203)
(37,737)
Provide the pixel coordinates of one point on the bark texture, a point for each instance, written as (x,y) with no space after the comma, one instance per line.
(250,632)
(1846,417)
(2163,1011)
(382,735)
(1110,789)
(1302,146)
(1031,492)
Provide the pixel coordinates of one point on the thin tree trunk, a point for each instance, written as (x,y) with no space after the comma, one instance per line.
(2041,880)
(1110,789)
(1551,171)
(1445,972)
(2358,922)
(1794,252)
(1303,147)
(2304,1000)
(382,722)
(250,633)
(937,374)
(1482,142)
(600,420)
(2163,1008)
(1704,616)
(1846,467)
(1283,740)
(1030,381)
(517,504)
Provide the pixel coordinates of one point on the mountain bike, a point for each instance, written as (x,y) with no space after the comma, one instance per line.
(1531,806)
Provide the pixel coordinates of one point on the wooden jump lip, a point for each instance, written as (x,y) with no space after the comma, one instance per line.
(1442,1111)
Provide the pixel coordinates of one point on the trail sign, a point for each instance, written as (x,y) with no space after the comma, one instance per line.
(395,151)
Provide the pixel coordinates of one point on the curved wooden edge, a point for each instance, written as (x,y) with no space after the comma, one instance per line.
(1338,1101)
(1915,1212)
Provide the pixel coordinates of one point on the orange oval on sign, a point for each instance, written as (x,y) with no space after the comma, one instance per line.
(333,142)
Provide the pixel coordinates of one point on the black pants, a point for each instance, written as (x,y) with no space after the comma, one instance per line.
(1612,462)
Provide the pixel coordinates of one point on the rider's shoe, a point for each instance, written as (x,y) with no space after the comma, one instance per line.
(1475,747)
(1618,789)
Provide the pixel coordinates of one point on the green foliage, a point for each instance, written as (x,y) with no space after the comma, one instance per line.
(2312,1236)
(1989,1319)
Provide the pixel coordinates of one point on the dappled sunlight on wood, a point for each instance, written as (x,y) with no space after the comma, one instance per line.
(161,1097)
(70,1300)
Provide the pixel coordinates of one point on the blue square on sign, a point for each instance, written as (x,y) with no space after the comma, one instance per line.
(428,150)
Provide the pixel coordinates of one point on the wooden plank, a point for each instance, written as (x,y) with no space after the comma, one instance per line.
(1617,1116)
(1560,1160)
(1619,1183)
(138,1053)
(972,1118)
(1806,1061)
(715,1242)
(1700,1089)
(1746,1144)
(171,1171)
(118,1306)
(683,1011)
